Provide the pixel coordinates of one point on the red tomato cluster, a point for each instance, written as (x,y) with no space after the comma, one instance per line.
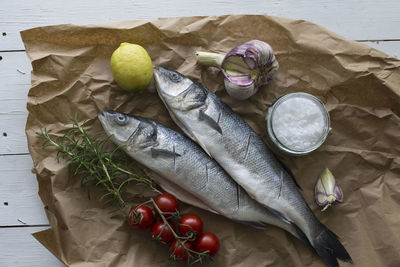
(190,227)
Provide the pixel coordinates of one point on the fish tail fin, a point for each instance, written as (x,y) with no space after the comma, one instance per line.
(329,248)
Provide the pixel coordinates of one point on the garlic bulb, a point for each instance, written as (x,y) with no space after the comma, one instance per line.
(327,191)
(245,68)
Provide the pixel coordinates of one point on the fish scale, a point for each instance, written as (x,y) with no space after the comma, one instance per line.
(228,148)
(181,162)
(244,156)
(246,144)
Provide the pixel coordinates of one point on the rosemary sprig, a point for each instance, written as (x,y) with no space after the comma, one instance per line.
(94,164)
(88,157)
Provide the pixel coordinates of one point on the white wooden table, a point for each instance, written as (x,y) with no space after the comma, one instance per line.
(373,22)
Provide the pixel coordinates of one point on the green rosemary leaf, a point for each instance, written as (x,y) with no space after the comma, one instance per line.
(93,163)
(106,195)
(125,182)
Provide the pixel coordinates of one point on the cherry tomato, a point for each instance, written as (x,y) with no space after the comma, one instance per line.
(167,203)
(143,218)
(162,232)
(190,225)
(207,241)
(178,251)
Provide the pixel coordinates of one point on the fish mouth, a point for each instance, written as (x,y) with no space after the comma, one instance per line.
(159,72)
(159,69)
(157,76)
(103,117)
(105,114)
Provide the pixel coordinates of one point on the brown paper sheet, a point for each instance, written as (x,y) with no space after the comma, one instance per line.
(359,85)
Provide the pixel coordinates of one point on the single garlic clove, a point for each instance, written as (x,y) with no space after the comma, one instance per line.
(240,92)
(327,191)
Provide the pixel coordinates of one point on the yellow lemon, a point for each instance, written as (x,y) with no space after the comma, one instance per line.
(131,67)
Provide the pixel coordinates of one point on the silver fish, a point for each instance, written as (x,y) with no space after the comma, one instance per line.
(184,166)
(227,138)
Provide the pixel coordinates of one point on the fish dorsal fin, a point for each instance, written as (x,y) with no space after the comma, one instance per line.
(210,121)
(290,173)
(157,152)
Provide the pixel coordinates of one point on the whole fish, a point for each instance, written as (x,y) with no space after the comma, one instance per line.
(185,166)
(228,139)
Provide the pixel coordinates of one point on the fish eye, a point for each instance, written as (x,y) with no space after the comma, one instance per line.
(121,119)
(175,77)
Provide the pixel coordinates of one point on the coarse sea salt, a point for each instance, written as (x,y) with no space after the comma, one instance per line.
(298,123)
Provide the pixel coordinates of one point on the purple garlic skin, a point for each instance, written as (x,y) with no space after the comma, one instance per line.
(247,67)
(327,191)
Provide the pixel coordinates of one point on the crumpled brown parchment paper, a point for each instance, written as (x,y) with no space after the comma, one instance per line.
(359,85)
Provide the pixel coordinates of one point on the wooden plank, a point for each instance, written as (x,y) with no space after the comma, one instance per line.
(354,19)
(19,200)
(20,249)
(361,20)
(15,71)
(15,80)
(390,48)
(12,133)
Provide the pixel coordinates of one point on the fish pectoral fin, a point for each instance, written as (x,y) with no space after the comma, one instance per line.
(210,121)
(157,152)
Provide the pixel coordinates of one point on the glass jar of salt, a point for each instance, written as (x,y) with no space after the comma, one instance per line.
(297,124)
